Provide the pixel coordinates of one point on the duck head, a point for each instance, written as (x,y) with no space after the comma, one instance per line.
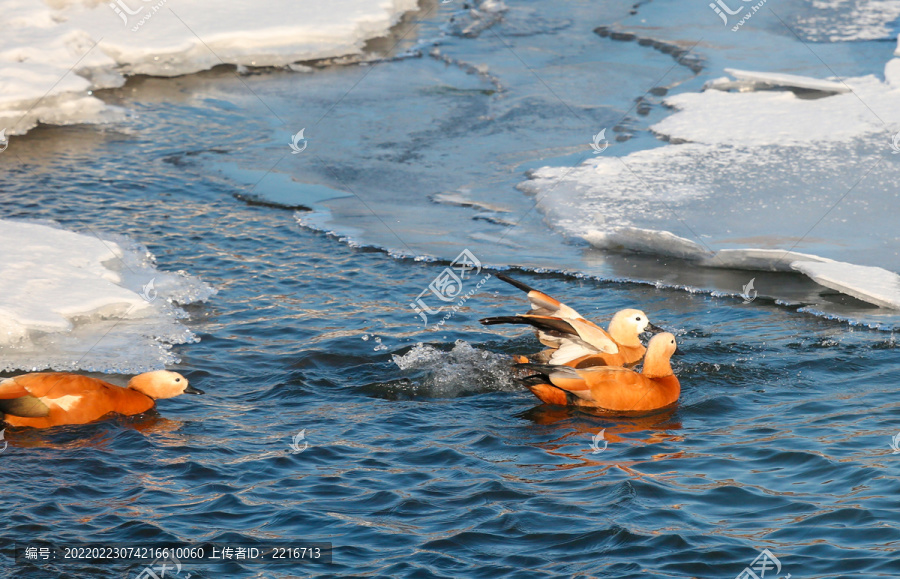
(659,353)
(627,326)
(162,384)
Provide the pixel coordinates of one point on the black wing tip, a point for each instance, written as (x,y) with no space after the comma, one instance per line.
(533,380)
(544,369)
(524,287)
(502,320)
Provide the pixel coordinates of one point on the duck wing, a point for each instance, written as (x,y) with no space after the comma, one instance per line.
(31,395)
(554,330)
(541,303)
(563,377)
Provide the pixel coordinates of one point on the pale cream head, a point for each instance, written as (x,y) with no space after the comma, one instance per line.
(662,345)
(659,353)
(627,325)
(162,384)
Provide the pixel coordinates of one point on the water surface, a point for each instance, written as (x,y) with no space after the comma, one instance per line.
(425,457)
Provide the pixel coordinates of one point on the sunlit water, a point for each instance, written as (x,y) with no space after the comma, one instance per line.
(425,457)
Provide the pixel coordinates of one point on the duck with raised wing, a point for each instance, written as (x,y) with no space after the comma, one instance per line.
(575,341)
(607,388)
(46,399)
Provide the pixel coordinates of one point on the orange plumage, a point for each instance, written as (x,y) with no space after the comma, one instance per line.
(46,399)
(618,389)
(575,341)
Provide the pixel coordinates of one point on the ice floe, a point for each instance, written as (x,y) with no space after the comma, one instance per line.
(752,81)
(871,284)
(755,164)
(855,107)
(84,301)
(53,55)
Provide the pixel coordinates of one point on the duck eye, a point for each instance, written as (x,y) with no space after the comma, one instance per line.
(638,318)
(178,379)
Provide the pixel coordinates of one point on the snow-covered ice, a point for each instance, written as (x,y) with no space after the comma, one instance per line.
(694,198)
(765,117)
(54,54)
(82,301)
(871,284)
(749,81)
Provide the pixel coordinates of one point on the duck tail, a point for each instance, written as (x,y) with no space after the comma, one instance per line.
(552,395)
(546,370)
(540,386)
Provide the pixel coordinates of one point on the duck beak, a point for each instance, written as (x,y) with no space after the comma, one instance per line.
(653,329)
(191,390)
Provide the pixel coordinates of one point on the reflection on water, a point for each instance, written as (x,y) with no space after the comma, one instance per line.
(600,432)
(443,464)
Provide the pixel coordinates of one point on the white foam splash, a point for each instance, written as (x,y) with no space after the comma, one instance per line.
(462,369)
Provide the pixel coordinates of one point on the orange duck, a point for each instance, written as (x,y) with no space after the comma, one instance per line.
(575,341)
(46,399)
(617,389)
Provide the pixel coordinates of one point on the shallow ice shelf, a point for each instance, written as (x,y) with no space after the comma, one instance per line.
(755,180)
(78,301)
(751,81)
(870,284)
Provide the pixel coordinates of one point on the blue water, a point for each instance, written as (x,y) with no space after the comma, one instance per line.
(429,460)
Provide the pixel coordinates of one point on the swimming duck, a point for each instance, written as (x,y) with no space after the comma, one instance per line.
(45,399)
(618,389)
(575,341)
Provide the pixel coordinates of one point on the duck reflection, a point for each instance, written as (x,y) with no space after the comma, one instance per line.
(95,435)
(585,434)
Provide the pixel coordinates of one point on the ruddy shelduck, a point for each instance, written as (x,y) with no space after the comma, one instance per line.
(616,389)
(46,399)
(575,341)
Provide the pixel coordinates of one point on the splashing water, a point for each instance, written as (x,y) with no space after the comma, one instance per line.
(462,370)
